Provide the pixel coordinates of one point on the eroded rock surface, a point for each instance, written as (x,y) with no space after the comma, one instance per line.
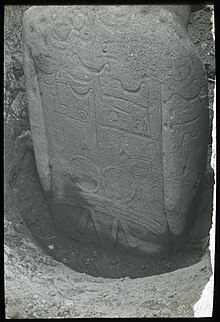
(118,101)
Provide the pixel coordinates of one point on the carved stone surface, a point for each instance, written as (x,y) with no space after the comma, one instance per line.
(118,112)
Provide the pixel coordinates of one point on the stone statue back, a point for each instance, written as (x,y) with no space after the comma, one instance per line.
(118,112)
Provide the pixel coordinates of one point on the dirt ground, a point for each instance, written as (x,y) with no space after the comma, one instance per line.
(38,282)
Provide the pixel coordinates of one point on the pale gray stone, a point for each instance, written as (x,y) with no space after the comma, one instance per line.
(118,112)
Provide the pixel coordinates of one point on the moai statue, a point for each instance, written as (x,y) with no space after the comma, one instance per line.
(118,111)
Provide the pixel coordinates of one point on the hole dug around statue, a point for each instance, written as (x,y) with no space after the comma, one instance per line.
(87,256)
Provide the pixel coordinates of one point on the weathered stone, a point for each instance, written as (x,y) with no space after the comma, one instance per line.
(118,112)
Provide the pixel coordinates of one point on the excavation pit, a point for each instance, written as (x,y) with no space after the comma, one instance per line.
(49,275)
(89,257)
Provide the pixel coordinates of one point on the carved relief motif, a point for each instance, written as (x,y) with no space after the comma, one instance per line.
(120,110)
(118,228)
(77,92)
(82,72)
(85,174)
(72,104)
(118,183)
(118,17)
(138,167)
(77,19)
(116,225)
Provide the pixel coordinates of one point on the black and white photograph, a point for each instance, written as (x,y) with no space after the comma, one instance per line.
(109,160)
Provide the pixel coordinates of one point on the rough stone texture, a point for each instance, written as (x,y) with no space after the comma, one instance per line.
(118,106)
(39,287)
(36,286)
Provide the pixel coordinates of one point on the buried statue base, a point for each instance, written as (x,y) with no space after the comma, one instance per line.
(118,106)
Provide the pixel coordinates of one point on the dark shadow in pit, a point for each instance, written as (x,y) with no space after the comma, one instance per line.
(79,254)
